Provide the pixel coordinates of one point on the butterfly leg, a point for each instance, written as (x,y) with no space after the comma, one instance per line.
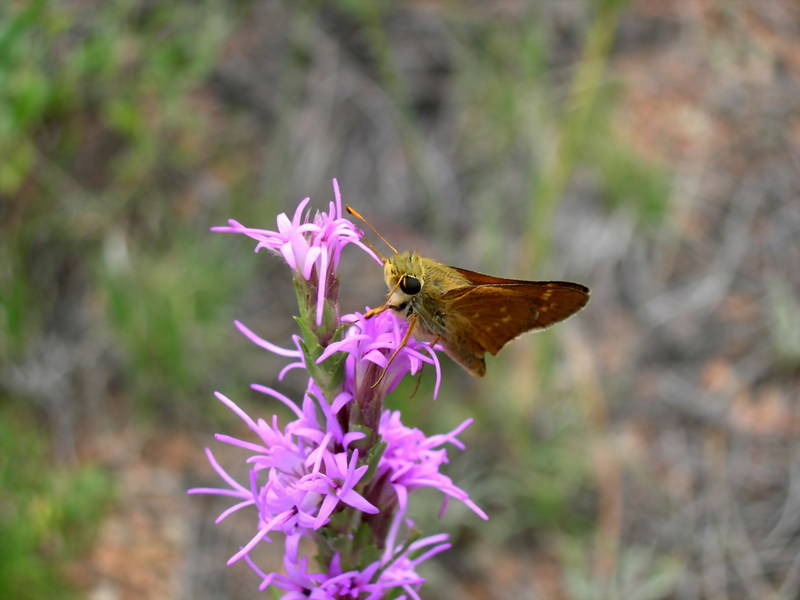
(412,321)
(376,311)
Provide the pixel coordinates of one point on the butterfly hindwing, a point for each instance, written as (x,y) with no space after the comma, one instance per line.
(487,315)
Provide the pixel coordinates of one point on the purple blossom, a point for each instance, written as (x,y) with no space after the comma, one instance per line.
(343,465)
(401,564)
(310,247)
(309,473)
(395,569)
(370,343)
(412,461)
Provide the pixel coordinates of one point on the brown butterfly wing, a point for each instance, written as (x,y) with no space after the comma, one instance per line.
(553,300)
(485,316)
(476,278)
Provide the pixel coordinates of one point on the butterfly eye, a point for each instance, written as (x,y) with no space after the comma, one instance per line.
(410,285)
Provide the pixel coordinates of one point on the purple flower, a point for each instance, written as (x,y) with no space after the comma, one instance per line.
(400,564)
(299,476)
(395,569)
(310,247)
(370,344)
(341,471)
(412,461)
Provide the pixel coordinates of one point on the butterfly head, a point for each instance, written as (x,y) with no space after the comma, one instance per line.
(404,278)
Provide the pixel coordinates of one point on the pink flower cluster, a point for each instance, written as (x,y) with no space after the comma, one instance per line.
(333,457)
(311,247)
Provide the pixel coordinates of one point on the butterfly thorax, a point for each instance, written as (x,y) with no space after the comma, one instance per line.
(402,272)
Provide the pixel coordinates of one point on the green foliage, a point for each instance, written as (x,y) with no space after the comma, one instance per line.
(96,108)
(636,574)
(627,180)
(64,62)
(784,322)
(168,312)
(47,516)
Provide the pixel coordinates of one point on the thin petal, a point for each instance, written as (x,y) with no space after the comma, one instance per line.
(325,511)
(278,396)
(323,280)
(298,213)
(338,196)
(262,533)
(232,405)
(313,254)
(259,341)
(358,501)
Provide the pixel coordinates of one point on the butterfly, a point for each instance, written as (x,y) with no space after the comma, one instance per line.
(470,313)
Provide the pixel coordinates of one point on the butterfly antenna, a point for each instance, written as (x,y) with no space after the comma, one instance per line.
(353,212)
(374,249)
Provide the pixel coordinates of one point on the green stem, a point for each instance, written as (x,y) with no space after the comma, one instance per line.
(315,338)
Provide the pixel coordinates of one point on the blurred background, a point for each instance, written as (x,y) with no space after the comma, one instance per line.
(646,449)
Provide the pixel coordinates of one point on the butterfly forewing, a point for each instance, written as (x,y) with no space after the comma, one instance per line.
(476,278)
(554,300)
(499,313)
(487,315)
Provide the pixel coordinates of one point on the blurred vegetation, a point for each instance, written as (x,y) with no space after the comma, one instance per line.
(507,137)
(98,256)
(48,515)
